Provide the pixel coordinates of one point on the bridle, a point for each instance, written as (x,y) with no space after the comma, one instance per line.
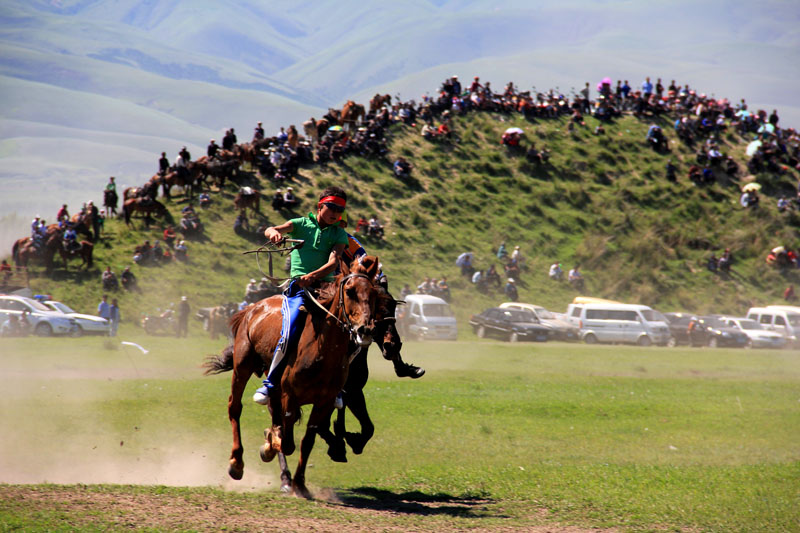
(346,325)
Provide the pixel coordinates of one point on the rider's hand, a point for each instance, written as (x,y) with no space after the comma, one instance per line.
(305,280)
(273,235)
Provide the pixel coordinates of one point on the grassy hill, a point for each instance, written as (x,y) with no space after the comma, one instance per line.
(170,72)
(602,202)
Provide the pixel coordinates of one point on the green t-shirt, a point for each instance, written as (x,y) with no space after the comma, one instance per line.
(318,245)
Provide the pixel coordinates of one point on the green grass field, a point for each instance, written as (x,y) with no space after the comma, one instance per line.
(494,436)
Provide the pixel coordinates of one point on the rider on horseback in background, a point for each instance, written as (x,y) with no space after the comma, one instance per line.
(314,262)
(62,214)
(70,241)
(355,252)
(163,164)
(212,149)
(110,197)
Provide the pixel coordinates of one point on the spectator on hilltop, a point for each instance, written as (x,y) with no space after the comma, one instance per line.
(492,277)
(113,317)
(556,273)
(289,199)
(510,290)
(712,264)
(402,168)
(109,280)
(788,294)
(103,308)
(128,279)
(575,278)
(204,199)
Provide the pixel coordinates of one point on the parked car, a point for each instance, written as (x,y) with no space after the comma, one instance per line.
(679,330)
(783,319)
(426,317)
(562,329)
(509,324)
(760,337)
(87,324)
(44,321)
(721,334)
(618,323)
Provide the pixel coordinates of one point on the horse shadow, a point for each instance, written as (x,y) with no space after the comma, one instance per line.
(418,503)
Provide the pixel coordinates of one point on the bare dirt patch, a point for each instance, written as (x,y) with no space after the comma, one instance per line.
(147,508)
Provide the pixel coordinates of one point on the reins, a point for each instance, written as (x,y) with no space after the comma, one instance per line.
(269,249)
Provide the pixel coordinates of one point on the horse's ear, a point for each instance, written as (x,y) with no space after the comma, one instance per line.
(344,267)
(371,266)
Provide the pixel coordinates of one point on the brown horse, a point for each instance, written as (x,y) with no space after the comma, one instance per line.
(218,320)
(23,251)
(83,223)
(314,374)
(333,116)
(388,340)
(143,205)
(378,101)
(242,201)
(310,129)
(84,252)
(351,114)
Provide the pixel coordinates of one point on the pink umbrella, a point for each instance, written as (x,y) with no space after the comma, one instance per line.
(604,81)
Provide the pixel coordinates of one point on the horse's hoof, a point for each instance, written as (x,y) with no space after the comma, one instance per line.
(338,453)
(286,487)
(355,442)
(300,491)
(267,453)
(236,472)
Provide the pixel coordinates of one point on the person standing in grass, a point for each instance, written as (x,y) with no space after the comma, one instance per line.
(183,317)
(113,317)
(315,262)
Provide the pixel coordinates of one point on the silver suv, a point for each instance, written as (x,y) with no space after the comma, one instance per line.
(44,321)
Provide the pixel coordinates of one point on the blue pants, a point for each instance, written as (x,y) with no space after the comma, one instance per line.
(291,328)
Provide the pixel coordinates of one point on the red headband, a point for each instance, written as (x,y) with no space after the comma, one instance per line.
(334,200)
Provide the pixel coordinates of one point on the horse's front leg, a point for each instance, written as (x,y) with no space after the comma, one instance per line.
(286,474)
(335,441)
(358,406)
(238,382)
(320,414)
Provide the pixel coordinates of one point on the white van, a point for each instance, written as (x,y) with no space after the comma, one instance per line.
(783,319)
(426,317)
(623,323)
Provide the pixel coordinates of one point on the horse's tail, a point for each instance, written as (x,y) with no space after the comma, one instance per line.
(217,364)
(15,252)
(126,211)
(235,322)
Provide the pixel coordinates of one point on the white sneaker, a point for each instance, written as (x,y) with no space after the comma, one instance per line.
(260,398)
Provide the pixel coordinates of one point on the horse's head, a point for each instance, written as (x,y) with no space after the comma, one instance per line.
(358,295)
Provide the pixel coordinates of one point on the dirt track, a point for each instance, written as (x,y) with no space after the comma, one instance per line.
(125,508)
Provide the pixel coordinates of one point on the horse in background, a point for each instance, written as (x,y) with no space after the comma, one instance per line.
(378,101)
(314,373)
(352,113)
(146,206)
(110,202)
(84,252)
(23,251)
(247,197)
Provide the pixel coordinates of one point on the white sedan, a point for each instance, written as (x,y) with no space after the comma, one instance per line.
(759,337)
(87,324)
